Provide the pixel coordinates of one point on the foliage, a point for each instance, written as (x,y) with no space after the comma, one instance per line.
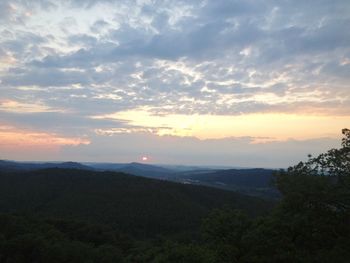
(24,239)
(223,230)
(165,250)
(311,222)
(138,206)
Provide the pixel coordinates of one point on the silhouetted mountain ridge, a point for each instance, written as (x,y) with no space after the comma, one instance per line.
(256,182)
(28,166)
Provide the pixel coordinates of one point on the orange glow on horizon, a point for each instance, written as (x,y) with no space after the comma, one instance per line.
(16,139)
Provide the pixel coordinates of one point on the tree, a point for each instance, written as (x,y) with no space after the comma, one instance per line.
(335,162)
(223,230)
(314,213)
(322,181)
(311,223)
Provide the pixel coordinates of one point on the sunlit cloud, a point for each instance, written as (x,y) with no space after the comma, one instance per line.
(6,60)
(18,138)
(221,126)
(19,144)
(22,107)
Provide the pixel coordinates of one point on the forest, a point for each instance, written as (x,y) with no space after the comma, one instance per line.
(72,215)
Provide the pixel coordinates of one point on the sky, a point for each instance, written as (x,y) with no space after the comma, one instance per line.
(253,83)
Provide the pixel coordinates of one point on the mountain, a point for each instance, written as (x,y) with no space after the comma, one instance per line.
(146,170)
(256,182)
(65,165)
(141,206)
(29,166)
(186,168)
(134,168)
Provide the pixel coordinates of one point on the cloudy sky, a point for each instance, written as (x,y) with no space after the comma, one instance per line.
(217,82)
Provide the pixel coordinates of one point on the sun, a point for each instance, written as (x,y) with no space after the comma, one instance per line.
(144,158)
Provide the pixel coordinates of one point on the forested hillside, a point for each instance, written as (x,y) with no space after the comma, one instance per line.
(254,182)
(140,206)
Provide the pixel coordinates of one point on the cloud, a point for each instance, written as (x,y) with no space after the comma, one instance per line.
(63,123)
(22,144)
(45,78)
(5,11)
(234,8)
(78,59)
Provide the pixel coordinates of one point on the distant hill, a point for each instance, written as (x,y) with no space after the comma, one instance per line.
(257,182)
(131,204)
(140,169)
(29,166)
